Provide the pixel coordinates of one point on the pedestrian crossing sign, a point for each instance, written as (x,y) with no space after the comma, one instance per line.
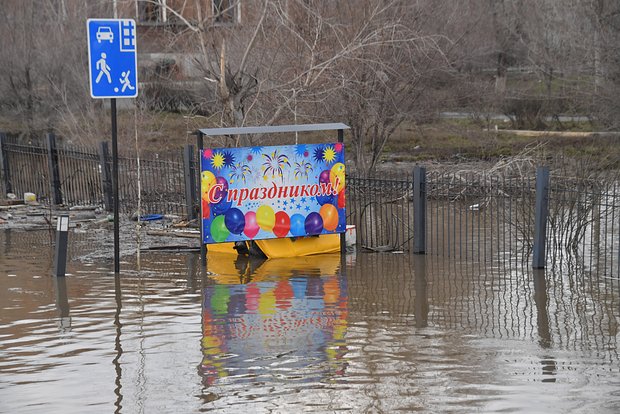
(112,58)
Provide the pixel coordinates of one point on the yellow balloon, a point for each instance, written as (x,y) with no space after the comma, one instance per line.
(207,179)
(337,172)
(265,218)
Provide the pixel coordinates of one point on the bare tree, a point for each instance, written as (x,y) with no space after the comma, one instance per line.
(44,82)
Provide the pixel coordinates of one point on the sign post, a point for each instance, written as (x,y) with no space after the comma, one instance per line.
(113,73)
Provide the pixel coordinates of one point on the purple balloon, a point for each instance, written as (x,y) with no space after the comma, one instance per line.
(314,223)
(324,177)
(223,192)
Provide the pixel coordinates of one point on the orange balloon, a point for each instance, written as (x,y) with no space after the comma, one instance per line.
(329,214)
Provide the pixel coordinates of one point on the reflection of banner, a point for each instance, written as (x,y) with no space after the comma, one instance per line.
(270,192)
(305,316)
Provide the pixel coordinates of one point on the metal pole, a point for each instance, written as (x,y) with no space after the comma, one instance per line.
(540,222)
(52,162)
(419,210)
(343,236)
(60,254)
(203,247)
(190,183)
(115,186)
(4,165)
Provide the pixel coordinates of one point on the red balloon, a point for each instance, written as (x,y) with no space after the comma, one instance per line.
(341,199)
(206,210)
(282,225)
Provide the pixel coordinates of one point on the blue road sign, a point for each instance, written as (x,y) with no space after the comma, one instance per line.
(112,59)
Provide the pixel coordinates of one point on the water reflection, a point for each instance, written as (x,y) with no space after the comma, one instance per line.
(277,320)
(118,349)
(304,335)
(62,303)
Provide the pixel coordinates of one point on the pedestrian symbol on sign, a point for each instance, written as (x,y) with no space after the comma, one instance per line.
(112,58)
(103,69)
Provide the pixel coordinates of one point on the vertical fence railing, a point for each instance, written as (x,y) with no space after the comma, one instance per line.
(6,185)
(541,212)
(28,168)
(54,171)
(189,175)
(419,210)
(105,171)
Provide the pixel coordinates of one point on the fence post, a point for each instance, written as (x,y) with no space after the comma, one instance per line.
(52,162)
(190,180)
(419,210)
(203,247)
(106,175)
(540,222)
(4,165)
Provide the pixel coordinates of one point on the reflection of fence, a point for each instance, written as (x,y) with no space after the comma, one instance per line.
(574,309)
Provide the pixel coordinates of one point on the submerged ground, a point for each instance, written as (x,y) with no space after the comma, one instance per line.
(359,333)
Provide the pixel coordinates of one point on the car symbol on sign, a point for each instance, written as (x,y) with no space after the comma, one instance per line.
(104,33)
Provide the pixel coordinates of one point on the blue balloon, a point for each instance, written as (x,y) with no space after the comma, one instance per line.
(221,207)
(325,199)
(298,225)
(234,220)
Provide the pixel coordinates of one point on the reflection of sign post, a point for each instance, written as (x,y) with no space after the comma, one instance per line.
(271,192)
(113,73)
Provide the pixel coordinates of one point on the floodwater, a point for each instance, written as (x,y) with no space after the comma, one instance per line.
(366,333)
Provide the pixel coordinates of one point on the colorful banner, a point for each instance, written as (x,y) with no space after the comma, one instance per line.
(254,193)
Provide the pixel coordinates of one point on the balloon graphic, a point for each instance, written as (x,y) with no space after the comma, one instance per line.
(324,177)
(234,220)
(207,179)
(251,226)
(206,210)
(341,199)
(329,214)
(324,199)
(219,232)
(221,207)
(265,217)
(313,223)
(298,225)
(222,191)
(282,224)
(337,174)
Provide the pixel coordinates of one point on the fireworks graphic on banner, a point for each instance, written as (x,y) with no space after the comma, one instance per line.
(238,172)
(302,169)
(329,155)
(274,164)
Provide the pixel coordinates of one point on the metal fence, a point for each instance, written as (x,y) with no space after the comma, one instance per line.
(74,175)
(482,215)
(491,218)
